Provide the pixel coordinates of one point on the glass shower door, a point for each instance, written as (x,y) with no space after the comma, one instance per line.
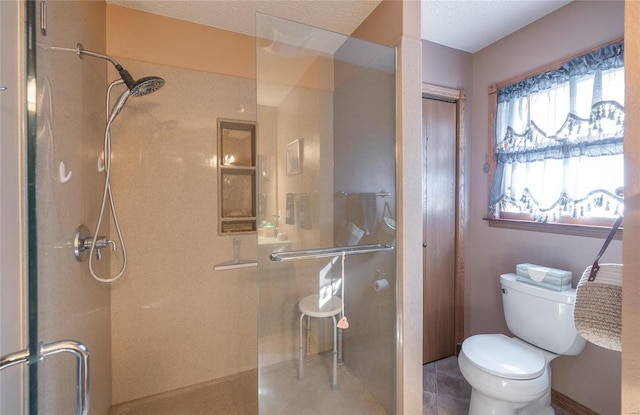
(326,192)
(68,311)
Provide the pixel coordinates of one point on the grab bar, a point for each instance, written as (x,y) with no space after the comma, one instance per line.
(379,194)
(81,353)
(328,252)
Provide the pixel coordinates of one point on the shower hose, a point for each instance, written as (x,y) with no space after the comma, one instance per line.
(106,194)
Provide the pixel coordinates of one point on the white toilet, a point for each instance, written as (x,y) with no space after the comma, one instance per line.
(512,375)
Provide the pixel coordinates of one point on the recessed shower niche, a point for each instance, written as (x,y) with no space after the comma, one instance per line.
(236,177)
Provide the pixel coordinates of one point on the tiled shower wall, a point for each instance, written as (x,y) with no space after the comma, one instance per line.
(175,321)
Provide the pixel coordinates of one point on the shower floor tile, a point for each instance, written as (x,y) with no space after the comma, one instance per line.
(231,395)
(313,394)
(282,394)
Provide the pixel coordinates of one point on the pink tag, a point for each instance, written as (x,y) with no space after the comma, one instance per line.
(343,323)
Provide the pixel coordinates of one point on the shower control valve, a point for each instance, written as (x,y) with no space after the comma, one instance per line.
(101,242)
(83,242)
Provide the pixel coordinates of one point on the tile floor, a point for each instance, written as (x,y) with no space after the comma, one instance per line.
(444,389)
(446,392)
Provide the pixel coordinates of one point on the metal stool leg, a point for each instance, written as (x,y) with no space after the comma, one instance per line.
(340,358)
(300,349)
(334,381)
(308,349)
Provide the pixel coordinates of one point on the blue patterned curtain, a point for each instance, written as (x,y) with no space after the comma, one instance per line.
(559,140)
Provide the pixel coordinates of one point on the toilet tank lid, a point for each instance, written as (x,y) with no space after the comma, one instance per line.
(501,356)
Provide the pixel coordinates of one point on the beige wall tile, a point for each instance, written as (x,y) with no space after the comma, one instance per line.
(175,321)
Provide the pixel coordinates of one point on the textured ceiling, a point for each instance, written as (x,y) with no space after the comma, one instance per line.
(341,16)
(467,25)
(473,24)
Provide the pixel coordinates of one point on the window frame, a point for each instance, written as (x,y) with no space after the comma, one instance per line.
(582,227)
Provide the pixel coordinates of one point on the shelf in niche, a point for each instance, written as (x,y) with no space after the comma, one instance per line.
(235,225)
(235,265)
(236,177)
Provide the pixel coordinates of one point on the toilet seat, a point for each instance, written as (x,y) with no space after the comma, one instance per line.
(501,356)
(498,382)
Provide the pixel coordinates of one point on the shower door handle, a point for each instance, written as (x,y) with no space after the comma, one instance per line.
(81,353)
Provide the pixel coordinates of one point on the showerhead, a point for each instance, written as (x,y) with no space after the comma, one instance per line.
(143,86)
(146,86)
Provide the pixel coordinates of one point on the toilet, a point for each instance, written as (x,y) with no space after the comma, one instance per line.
(512,375)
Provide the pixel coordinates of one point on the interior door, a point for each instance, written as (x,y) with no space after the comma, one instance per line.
(439,219)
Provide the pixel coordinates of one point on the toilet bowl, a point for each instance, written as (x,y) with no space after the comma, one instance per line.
(506,374)
(511,375)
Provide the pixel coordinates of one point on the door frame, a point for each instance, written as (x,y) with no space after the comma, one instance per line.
(458,96)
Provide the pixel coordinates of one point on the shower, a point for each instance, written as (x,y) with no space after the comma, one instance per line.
(141,87)
(173,302)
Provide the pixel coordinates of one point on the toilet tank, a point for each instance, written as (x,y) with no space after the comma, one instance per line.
(541,316)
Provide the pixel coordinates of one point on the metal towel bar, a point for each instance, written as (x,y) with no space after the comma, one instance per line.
(328,252)
(81,353)
(379,194)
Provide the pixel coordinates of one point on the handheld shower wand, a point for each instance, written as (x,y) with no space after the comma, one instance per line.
(119,105)
(142,86)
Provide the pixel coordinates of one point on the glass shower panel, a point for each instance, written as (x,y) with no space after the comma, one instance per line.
(326,188)
(65,125)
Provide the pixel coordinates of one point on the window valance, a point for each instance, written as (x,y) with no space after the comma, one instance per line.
(559,139)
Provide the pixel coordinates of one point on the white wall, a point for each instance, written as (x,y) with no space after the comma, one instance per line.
(592,378)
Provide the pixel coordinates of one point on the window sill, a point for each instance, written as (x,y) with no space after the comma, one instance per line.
(576,229)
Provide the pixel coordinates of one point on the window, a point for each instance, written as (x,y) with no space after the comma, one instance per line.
(559,142)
